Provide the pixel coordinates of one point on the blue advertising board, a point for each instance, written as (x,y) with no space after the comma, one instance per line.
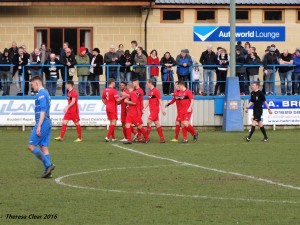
(243,33)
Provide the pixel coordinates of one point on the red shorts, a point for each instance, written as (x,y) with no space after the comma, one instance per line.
(112,115)
(123,117)
(72,116)
(186,116)
(154,116)
(134,119)
(178,118)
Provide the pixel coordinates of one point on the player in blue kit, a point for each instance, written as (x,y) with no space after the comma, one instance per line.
(40,135)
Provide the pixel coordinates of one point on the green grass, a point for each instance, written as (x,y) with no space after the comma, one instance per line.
(22,192)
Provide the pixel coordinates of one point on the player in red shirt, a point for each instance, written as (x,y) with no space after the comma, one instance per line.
(140,93)
(175,99)
(124,93)
(71,112)
(186,99)
(111,99)
(134,115)
(154,102)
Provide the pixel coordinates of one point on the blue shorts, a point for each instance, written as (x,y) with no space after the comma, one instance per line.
(44,139)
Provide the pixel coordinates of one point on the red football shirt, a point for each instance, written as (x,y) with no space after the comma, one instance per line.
(134,110)
(111,96)
(123,104)
(140,94)
(74,108)
(185,98)
(153,98)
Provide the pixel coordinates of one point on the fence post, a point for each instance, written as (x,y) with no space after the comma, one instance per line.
(191,77)
(66,78)
(274,80)
(23,81)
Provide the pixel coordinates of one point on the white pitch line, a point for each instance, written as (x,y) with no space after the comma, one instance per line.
(211,169)
(59,181)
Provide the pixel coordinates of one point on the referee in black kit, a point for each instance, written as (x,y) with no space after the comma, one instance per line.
(257,99)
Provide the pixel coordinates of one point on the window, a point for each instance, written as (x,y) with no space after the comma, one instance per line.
(298,16)
(171,16)
(273,16)
(206,16)
(54,37)
(243,15)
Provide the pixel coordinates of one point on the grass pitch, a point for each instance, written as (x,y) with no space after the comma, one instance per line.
(197,183)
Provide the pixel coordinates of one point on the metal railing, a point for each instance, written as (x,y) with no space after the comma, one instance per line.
(146,74)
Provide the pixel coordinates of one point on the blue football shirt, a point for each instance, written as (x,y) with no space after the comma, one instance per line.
(42,104)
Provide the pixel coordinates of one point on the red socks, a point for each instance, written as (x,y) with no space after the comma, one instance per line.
(191,129)
(63,130)
(78,128)
(184,133)
(149,128)
(177,130)
(160,133)
(128,134)
(111,131)
(143,131)
(125,132)
(133,130)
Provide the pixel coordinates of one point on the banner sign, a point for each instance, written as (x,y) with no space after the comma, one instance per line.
(19,112)
(243,33)
(285,112)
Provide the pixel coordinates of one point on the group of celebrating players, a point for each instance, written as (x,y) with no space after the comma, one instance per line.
(132,104)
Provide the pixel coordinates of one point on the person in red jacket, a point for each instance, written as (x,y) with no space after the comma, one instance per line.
(152,61)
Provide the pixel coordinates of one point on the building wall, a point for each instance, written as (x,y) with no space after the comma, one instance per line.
(111,25)
(175,36)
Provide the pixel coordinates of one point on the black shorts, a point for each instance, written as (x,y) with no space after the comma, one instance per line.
(257,113)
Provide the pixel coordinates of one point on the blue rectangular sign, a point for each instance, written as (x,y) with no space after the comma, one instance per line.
(243,33)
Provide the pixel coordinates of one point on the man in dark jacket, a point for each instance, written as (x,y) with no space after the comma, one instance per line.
(111,58)
(126,61)
(95,71)
(285,73)
(269,71)
(68,60)
(52,73)
(208,57)
(21,60)
(253,59)
(5,74)
(167,62)
(240,69)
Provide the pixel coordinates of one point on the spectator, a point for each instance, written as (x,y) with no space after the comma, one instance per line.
(243,50)
(269,72)
(285,73)
(247,47)
(154,70)
(223,62)
(35,59)
(13,50)
(26,71)
(88,84)
(240,69)
(63,50)
(134,47)
(52,73)
(69,61)
(126,63)
(183,61)
(296,60)
(5,74)
(140,60)
(120,50)
(196,79)
(45,53)
(111,59)
(208,57)
(20,60)
(96,70)
(253,59)
(277,52)
(167,62)
(82,71)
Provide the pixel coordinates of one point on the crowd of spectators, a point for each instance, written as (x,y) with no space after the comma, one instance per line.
(17,64)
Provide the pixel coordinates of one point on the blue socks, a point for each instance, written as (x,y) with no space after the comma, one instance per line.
(44,158)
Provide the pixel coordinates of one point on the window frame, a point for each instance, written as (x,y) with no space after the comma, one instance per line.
(206,21)
(273,21)
(297,15)
(63,36)
(243,21)
(171,21)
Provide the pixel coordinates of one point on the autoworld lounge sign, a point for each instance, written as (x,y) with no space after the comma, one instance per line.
(243,33)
